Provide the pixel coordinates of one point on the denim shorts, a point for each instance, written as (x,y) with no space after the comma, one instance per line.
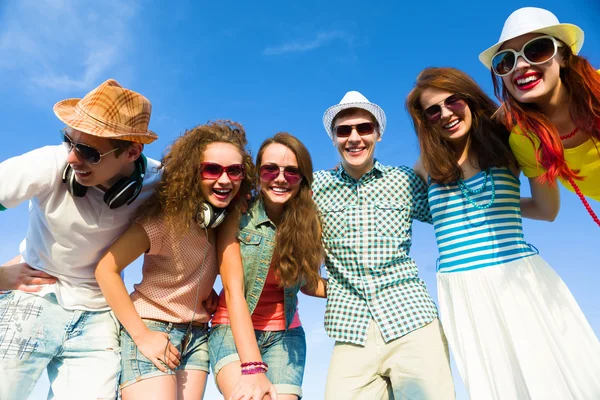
(79,349)
(135,366)
(283,351)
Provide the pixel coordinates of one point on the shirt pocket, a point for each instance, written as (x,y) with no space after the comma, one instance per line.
(249,245)
(333,222)
(392,219)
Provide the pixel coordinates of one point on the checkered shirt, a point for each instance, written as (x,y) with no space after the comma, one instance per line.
(367,234)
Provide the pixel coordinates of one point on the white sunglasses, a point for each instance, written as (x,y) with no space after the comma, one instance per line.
(537,51)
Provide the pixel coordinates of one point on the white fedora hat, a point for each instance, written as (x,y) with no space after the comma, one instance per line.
(354,99)
(535,20)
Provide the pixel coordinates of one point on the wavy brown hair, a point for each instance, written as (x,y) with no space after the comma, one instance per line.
(583,84)
(178,197)
(298,245)
(488,139)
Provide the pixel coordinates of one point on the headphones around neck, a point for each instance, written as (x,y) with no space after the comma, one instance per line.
(124,191)
(210,217)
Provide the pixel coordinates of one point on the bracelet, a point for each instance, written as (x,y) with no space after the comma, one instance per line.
(253,363)
(254,367)
(252,371)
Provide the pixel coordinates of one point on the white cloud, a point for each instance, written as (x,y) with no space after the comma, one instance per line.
(64,45)
(322,39)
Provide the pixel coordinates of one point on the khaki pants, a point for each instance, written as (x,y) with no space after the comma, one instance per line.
(413,367)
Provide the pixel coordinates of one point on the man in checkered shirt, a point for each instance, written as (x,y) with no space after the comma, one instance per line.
(389,342)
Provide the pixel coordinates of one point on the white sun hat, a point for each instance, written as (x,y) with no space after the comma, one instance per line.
(354,99)
(534,20)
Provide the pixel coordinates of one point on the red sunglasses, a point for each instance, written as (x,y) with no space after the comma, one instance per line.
(270,172)
(214,171)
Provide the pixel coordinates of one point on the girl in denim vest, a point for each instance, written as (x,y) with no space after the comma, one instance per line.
(164,343)
(257,345)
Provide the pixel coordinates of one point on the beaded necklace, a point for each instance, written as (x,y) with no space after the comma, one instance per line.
(571,134)
(467,192)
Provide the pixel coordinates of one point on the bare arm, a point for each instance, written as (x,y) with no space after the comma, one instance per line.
(125,250)
(232,277)
(320,290)
(544,202)
(419,169)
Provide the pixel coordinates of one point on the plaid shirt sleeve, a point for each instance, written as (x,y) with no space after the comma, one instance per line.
(418,189)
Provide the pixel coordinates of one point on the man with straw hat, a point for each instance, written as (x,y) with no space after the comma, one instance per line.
(389,342)
(52,313)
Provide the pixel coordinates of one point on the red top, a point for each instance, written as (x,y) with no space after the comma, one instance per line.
(269,314)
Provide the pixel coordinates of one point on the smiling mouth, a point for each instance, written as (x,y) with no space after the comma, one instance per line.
(527,79)
(280,190)
(221,193)
(452,124)
(355,149)
(82,173)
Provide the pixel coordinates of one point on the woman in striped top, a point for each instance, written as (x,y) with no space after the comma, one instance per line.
(515,329)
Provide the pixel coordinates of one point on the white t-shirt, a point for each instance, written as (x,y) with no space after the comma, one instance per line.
(67,235)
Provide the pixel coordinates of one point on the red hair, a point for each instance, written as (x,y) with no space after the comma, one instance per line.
(583,84)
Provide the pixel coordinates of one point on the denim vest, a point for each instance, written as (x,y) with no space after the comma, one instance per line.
(257,242)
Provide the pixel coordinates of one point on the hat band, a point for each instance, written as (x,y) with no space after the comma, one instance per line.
(109,125)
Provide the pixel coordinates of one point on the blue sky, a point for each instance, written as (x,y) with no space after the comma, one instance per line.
(273,66)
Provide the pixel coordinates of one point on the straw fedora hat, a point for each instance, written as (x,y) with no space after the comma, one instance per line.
(109,111)
(535,20)
(354,99)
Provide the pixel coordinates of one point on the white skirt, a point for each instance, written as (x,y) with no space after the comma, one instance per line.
(517,333)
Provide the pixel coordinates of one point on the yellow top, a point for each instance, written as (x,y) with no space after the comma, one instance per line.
(585,158)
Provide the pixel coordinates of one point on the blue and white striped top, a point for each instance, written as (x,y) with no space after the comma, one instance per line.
(470,238)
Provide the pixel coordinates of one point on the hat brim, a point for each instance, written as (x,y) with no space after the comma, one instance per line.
(570,34)
(67,112)
(372,108)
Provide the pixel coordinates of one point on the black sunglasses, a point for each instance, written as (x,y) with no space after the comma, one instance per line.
(88,153)
(363,129)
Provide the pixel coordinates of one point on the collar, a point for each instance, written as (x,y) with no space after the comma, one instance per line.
(376,171)
(261,214)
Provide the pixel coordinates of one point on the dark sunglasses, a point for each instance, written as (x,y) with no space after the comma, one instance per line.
(363,129)
(88,153)
(454,103)
(213,171)
(536,51)
(270,172)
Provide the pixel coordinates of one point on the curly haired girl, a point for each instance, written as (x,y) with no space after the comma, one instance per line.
(164,346)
